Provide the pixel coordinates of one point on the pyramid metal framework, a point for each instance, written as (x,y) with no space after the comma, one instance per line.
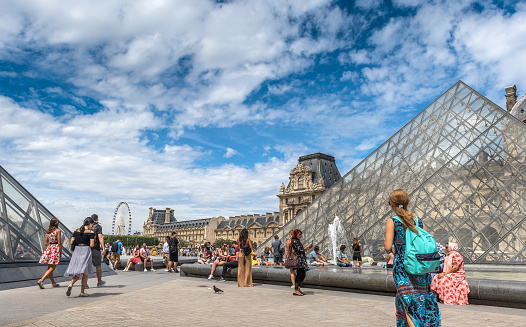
(23,223)
(462,161)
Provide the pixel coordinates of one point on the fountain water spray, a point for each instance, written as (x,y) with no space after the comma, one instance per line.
(336,237)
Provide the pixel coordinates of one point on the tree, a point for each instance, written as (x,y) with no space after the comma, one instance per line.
(219,242)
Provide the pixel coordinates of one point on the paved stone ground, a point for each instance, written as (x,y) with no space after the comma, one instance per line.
(155,299)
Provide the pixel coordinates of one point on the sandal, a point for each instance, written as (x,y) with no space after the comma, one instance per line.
(68,291)
(39,283)
(296,294)
(83,295)
(55,285)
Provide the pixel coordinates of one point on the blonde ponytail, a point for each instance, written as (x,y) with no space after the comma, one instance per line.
(399,201)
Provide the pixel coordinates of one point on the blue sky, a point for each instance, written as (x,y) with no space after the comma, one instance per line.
(206,106)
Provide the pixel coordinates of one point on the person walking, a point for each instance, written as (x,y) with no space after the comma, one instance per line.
(244,269)
(357,253)
(81,263)
(301,271)
(116,251)
(98,250)
(52,253)
(415,302)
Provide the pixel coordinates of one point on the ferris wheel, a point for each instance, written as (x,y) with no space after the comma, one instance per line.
(121,218)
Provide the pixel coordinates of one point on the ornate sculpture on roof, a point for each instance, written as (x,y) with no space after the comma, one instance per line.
(312,176)
(514,107)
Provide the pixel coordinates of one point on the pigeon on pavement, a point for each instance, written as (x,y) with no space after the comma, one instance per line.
(217,290)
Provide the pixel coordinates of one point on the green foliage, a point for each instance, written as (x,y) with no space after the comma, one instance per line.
(132,240)
(219,242)
(254,244)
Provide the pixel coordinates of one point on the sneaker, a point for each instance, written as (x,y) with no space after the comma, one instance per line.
(125,269)
(145,269)
(102,283)
(292,286)
(221,279)
(68,291)
(177,271)
(152,270)
(211,277)
(166,269)
(87,286)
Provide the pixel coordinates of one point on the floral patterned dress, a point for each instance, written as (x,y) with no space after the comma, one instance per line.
(298,249)
(51,255)
(413,292)
(453,288)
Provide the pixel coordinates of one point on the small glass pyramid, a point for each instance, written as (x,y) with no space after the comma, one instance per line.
(462,161)
(23,223)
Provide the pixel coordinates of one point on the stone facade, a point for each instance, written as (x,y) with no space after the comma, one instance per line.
(260,227)
(314,174)
(514,107)
(162,223)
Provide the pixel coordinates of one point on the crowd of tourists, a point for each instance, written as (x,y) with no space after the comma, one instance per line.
(418,291)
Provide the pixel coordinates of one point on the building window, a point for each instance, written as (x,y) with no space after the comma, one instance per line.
(300,182)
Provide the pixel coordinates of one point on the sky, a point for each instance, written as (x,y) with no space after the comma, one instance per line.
(205,106)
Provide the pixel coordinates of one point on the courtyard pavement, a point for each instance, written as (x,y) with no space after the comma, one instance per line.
(161,298)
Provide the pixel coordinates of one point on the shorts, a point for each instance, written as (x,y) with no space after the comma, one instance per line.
(316,264)
(96,257)
(341,264)
(357,256)
(389,265)
(278,259)
(174,257)
(147,259)
(166,258)
(116,257)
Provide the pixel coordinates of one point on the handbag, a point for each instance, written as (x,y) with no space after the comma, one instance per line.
(291,262)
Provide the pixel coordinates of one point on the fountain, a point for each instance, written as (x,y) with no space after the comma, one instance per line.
(336,237)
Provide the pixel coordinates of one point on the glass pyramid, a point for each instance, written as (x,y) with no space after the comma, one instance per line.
(23,223)
(462,161)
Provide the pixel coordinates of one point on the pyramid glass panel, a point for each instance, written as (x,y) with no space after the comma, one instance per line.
(462,161)
(23,223)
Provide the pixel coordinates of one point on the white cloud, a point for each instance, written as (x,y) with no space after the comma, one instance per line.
(230,153)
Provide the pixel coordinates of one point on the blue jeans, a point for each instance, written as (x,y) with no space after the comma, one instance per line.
(341,264)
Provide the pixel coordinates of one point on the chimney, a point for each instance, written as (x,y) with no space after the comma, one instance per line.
(151,212)
(267,215)
(167,216)
(511,97)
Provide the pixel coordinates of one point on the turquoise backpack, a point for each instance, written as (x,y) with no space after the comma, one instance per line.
(421,255)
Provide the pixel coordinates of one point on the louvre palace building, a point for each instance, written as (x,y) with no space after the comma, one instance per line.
(313,175)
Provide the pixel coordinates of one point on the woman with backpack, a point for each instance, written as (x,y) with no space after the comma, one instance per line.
(415,302)
(244,258)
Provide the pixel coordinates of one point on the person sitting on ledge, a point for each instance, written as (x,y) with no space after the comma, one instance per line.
(135,259)
(265,255)
(451,285)
(201,257)
(254,257)
(222,256)
(145,257)
(342,260)
(316,258)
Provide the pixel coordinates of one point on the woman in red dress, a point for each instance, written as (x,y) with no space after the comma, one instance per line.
(52,253)
(136,258)
(451,285)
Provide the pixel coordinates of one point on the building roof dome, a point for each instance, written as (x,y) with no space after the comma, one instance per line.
(519,109)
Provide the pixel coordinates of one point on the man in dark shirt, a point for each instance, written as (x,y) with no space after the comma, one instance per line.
(275,248)
(98,250)
(173,245)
